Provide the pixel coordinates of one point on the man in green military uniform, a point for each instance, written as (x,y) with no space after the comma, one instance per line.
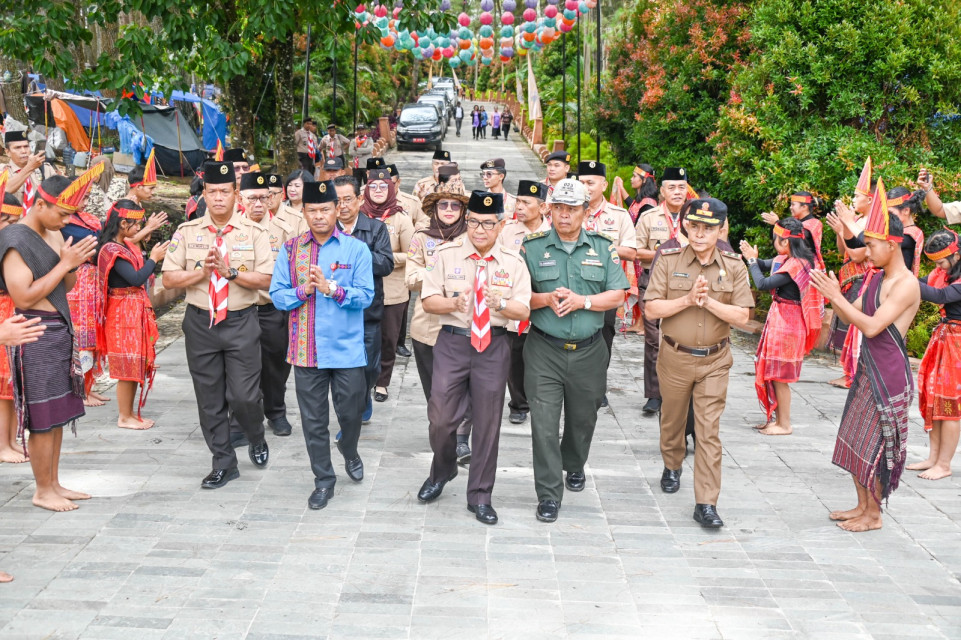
(575,277)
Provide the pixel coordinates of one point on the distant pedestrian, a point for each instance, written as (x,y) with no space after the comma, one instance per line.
(458,117)
(496,124)
(483,123)
(506,120)
(305,139)
(475,121)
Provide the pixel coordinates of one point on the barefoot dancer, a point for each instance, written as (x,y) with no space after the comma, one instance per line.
(10,212)
(939,379)
(872,439)
(793,322)
(126,326)
(37,267)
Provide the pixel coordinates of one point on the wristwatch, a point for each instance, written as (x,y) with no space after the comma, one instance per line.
(232,273)
(587,302)
(501,304)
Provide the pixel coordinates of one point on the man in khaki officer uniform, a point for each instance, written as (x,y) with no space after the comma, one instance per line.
(493,173)
(655,227)
(276,207)
(429,184)
(223,260)
(531,218)
(612,221)
(412,204)
(476,287)
(698,292)
(576,277)
(273,323)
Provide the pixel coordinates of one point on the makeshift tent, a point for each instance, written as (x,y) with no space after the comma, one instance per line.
(214,120)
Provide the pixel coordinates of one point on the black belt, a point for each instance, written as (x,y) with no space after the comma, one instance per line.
(567,345)
(230,314)
(698,352)
(461,331)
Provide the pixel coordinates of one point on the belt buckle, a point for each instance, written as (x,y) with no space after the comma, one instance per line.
(700,353)
(570,346)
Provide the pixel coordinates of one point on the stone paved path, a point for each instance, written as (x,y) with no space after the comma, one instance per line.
(153,556)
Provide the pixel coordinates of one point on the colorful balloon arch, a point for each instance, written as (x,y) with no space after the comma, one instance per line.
(477,39)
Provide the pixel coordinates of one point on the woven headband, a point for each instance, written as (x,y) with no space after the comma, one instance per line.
(948,251)
(802,199)
(784,232)
(11,210)
(900,200)
(129,214)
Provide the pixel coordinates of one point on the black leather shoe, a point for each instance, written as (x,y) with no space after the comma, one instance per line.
(706,514)
(403,351)
(547,510)
(318,499)
(574,481)
(280,426)
(518,417)
(354,466)
(652,406)
(238,440)
(430,491)
(484,513)
(604,401)
(219,477)
(259,454)
(380,397)
(463,453)
(670,480)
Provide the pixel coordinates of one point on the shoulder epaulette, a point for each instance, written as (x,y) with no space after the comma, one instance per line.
(458,242)
(668,252)
(601,234)
(535,235)
(731,254)
(613,207)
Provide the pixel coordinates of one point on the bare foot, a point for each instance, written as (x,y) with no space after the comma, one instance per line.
(777,430)
(137,424)
(856,512)
(70,494)
(91,401)
(842,383)
(921,466)
(763,425)
(53,502)
(99,396)
(5,577)
(12,455)
(862,523)
(936,472)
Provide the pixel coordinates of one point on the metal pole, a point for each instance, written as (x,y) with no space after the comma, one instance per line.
(577,64)
(306,77)
(597,75)
(333,106)
(355,81)
(564,89)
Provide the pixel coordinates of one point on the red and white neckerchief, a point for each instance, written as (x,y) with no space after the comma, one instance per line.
(29,193)
(218,290)
(673,222)
(311,147)
(480,326)
(590,222)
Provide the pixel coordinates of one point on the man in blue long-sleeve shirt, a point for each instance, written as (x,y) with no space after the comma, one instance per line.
(325,279)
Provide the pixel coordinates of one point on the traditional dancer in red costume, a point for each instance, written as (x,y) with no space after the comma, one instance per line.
(10,213)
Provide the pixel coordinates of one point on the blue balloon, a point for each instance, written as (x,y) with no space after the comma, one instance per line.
(464,55)
(507,31)
(570,15)
(486,61)
(486,31)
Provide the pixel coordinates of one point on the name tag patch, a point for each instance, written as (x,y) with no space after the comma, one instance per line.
(677,274)
(456,276)
(592,263)
(547,263)
(194,245)
(243,247)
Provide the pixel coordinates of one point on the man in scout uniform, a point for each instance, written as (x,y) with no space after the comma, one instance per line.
(476,287)
(305,141)
(558,166)
(429,184)
(493,173)
(276,207)
(334,167)
(698,292)
(255,195)
(223,260)
(576,277)
(612,221)
(26,169)
(654,227)
(531,218)
(334,145)
(238,158)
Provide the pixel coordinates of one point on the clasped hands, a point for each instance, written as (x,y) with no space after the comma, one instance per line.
(317,281)
(698,295)
(563,301)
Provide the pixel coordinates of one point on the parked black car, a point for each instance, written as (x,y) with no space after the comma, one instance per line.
(420,125)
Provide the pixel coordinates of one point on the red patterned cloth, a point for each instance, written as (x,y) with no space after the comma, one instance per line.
(6,377)
(918,236)
(84,300)
(939,378)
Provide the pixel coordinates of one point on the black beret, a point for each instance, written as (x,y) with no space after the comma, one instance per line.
(533,189)
(253,180)
(496,163)
(441,154)
(235,154)
(674,173)
(378,174)
(707,210)
(319,192)
(563,156)
(392,170)
(486,202)
(376,163)
(592,168)
(219,173)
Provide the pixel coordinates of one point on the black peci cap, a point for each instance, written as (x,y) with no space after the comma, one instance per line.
(219,173)
(486,202)
(592,168)
(674,173)
(532,189)
(253,180)
(442,154)
(319,192)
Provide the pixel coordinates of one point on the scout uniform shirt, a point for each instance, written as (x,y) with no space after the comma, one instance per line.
(414,209)
(655,227)
(401,230)
(513,234)
(248,249)
(453,275)
(613,221)
(278,232)
(592,267)
(673,277)
(424,186)
(421,257)
(36,178)
(294,219)
(510,204)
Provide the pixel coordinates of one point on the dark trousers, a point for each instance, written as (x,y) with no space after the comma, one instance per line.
(402,336)
(575,381)
(372,347)
(460,372)
(507,129)
(457,124)
(224,364)
(652,341)
(273,355)
(306,162)
(515,381)
(347,389)
(424,359)
(390,330)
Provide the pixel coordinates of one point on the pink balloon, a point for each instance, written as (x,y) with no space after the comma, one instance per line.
(571,5)
(486,18)
(550,11)
(507,18)
(448,52)
(463,19)
(530,15)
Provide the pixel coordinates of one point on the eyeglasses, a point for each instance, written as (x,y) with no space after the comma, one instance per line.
(487,224)
(378,186)
(450,205)
(347,201)
(256,199)
(488,174)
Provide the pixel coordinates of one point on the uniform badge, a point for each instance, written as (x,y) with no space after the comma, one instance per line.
(488,201)
(678,274)
(431,244)
(457,270)
(200,238)
(547,254)
(722,273)
(241,237)
(501,278)
(224,169)
(235,255)
(243,268)
(591,252)
(609,221)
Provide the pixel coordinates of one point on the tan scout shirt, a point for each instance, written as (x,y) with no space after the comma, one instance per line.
(952,212)
(655,227)
(36,178)
(278,232)
(615,222)
(248,249)
(413,208)
(454,272)
(421,255)
(424,186)
(294,219)
(513,234)
(510,204)
(302,139)
(401,230)
(674,275)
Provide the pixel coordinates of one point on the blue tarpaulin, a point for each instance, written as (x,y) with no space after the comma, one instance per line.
(215,120)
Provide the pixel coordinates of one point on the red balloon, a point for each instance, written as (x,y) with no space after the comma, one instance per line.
(507,18)
(486,18)
(530,15)
(437,55)
(550,11)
